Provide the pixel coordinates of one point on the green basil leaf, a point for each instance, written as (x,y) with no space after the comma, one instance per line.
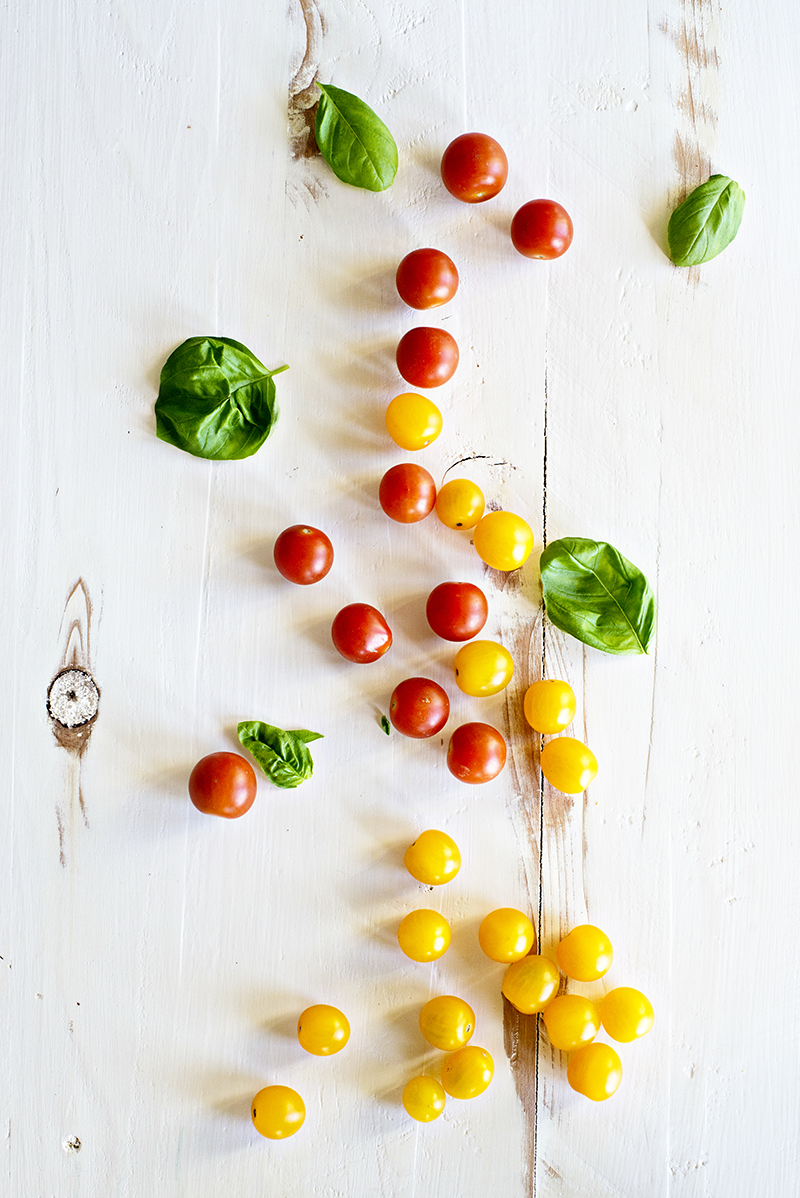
(354,141)
(386,726)
(283,756)
(706,222)
(595,594)
(215,399)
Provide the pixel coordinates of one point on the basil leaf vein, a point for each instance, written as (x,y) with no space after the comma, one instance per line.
(595,594)
(354,141)
(283,756)
(706,222)
(215,399)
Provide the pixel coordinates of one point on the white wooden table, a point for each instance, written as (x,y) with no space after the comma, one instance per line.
(154,960)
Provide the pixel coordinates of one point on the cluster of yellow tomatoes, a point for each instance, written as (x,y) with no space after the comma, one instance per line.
(531,984)
(279,1111)
(447,1022)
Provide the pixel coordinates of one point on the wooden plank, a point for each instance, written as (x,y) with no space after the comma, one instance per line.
(153,962)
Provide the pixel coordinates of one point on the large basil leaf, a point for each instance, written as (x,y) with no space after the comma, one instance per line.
(283,756)
(354,141)
(706,222)
(592,592)
(216,400)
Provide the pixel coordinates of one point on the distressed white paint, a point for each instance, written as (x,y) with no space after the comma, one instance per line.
(150,983)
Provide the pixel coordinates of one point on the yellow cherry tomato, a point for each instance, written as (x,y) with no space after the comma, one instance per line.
(424,935)
(447,1022)
(571,1021)
(549,705)
(467,1073)
(531,983)
(483,668)
(595,1071)
(568,764)
(626,1014)
(459,503)
(433,858)
(424,1099)
(585,953)
(503,540)
(506,935)
(323,1030)
(413,421)
(277,1112)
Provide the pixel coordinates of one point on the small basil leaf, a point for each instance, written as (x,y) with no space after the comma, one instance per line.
(305,735)
(354,141)
(706,222)
(215,399)
(386,726)
(283,756)
(595,594)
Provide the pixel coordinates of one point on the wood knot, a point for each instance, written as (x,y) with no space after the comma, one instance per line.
(73,700)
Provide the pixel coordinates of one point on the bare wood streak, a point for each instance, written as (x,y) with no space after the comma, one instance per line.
(697,101)
(303,95)
(76,630)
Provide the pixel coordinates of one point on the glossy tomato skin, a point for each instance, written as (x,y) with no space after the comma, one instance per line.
(460,503)
(424,1099)
(407,493)
(223,784)
(419,707)
(433,858)
(468,1072)
(585,953)
(456,611)
(426,279)
(360,633)
(531,983)
(277,1112)
(323,1030)
(503,540)
(424,935)
(595,1070)
(626,1014)
(303,554)
(541,229)
(413,421)
(447,1022)
(474,168)
(571,1021)
(476,753)
(483,668)
(427,357)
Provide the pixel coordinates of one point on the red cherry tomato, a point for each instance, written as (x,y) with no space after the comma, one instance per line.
(303,554)
(541,229)
(426,279)
(476,753)
(474,168)
(360,633)
(427,357)
(223,784)
(407,493)
(419,707)
(456,611)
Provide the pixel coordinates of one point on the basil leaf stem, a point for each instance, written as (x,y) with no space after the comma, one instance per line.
(215,399)
(706,222)
(596,595)
(354,141)
(283,756)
